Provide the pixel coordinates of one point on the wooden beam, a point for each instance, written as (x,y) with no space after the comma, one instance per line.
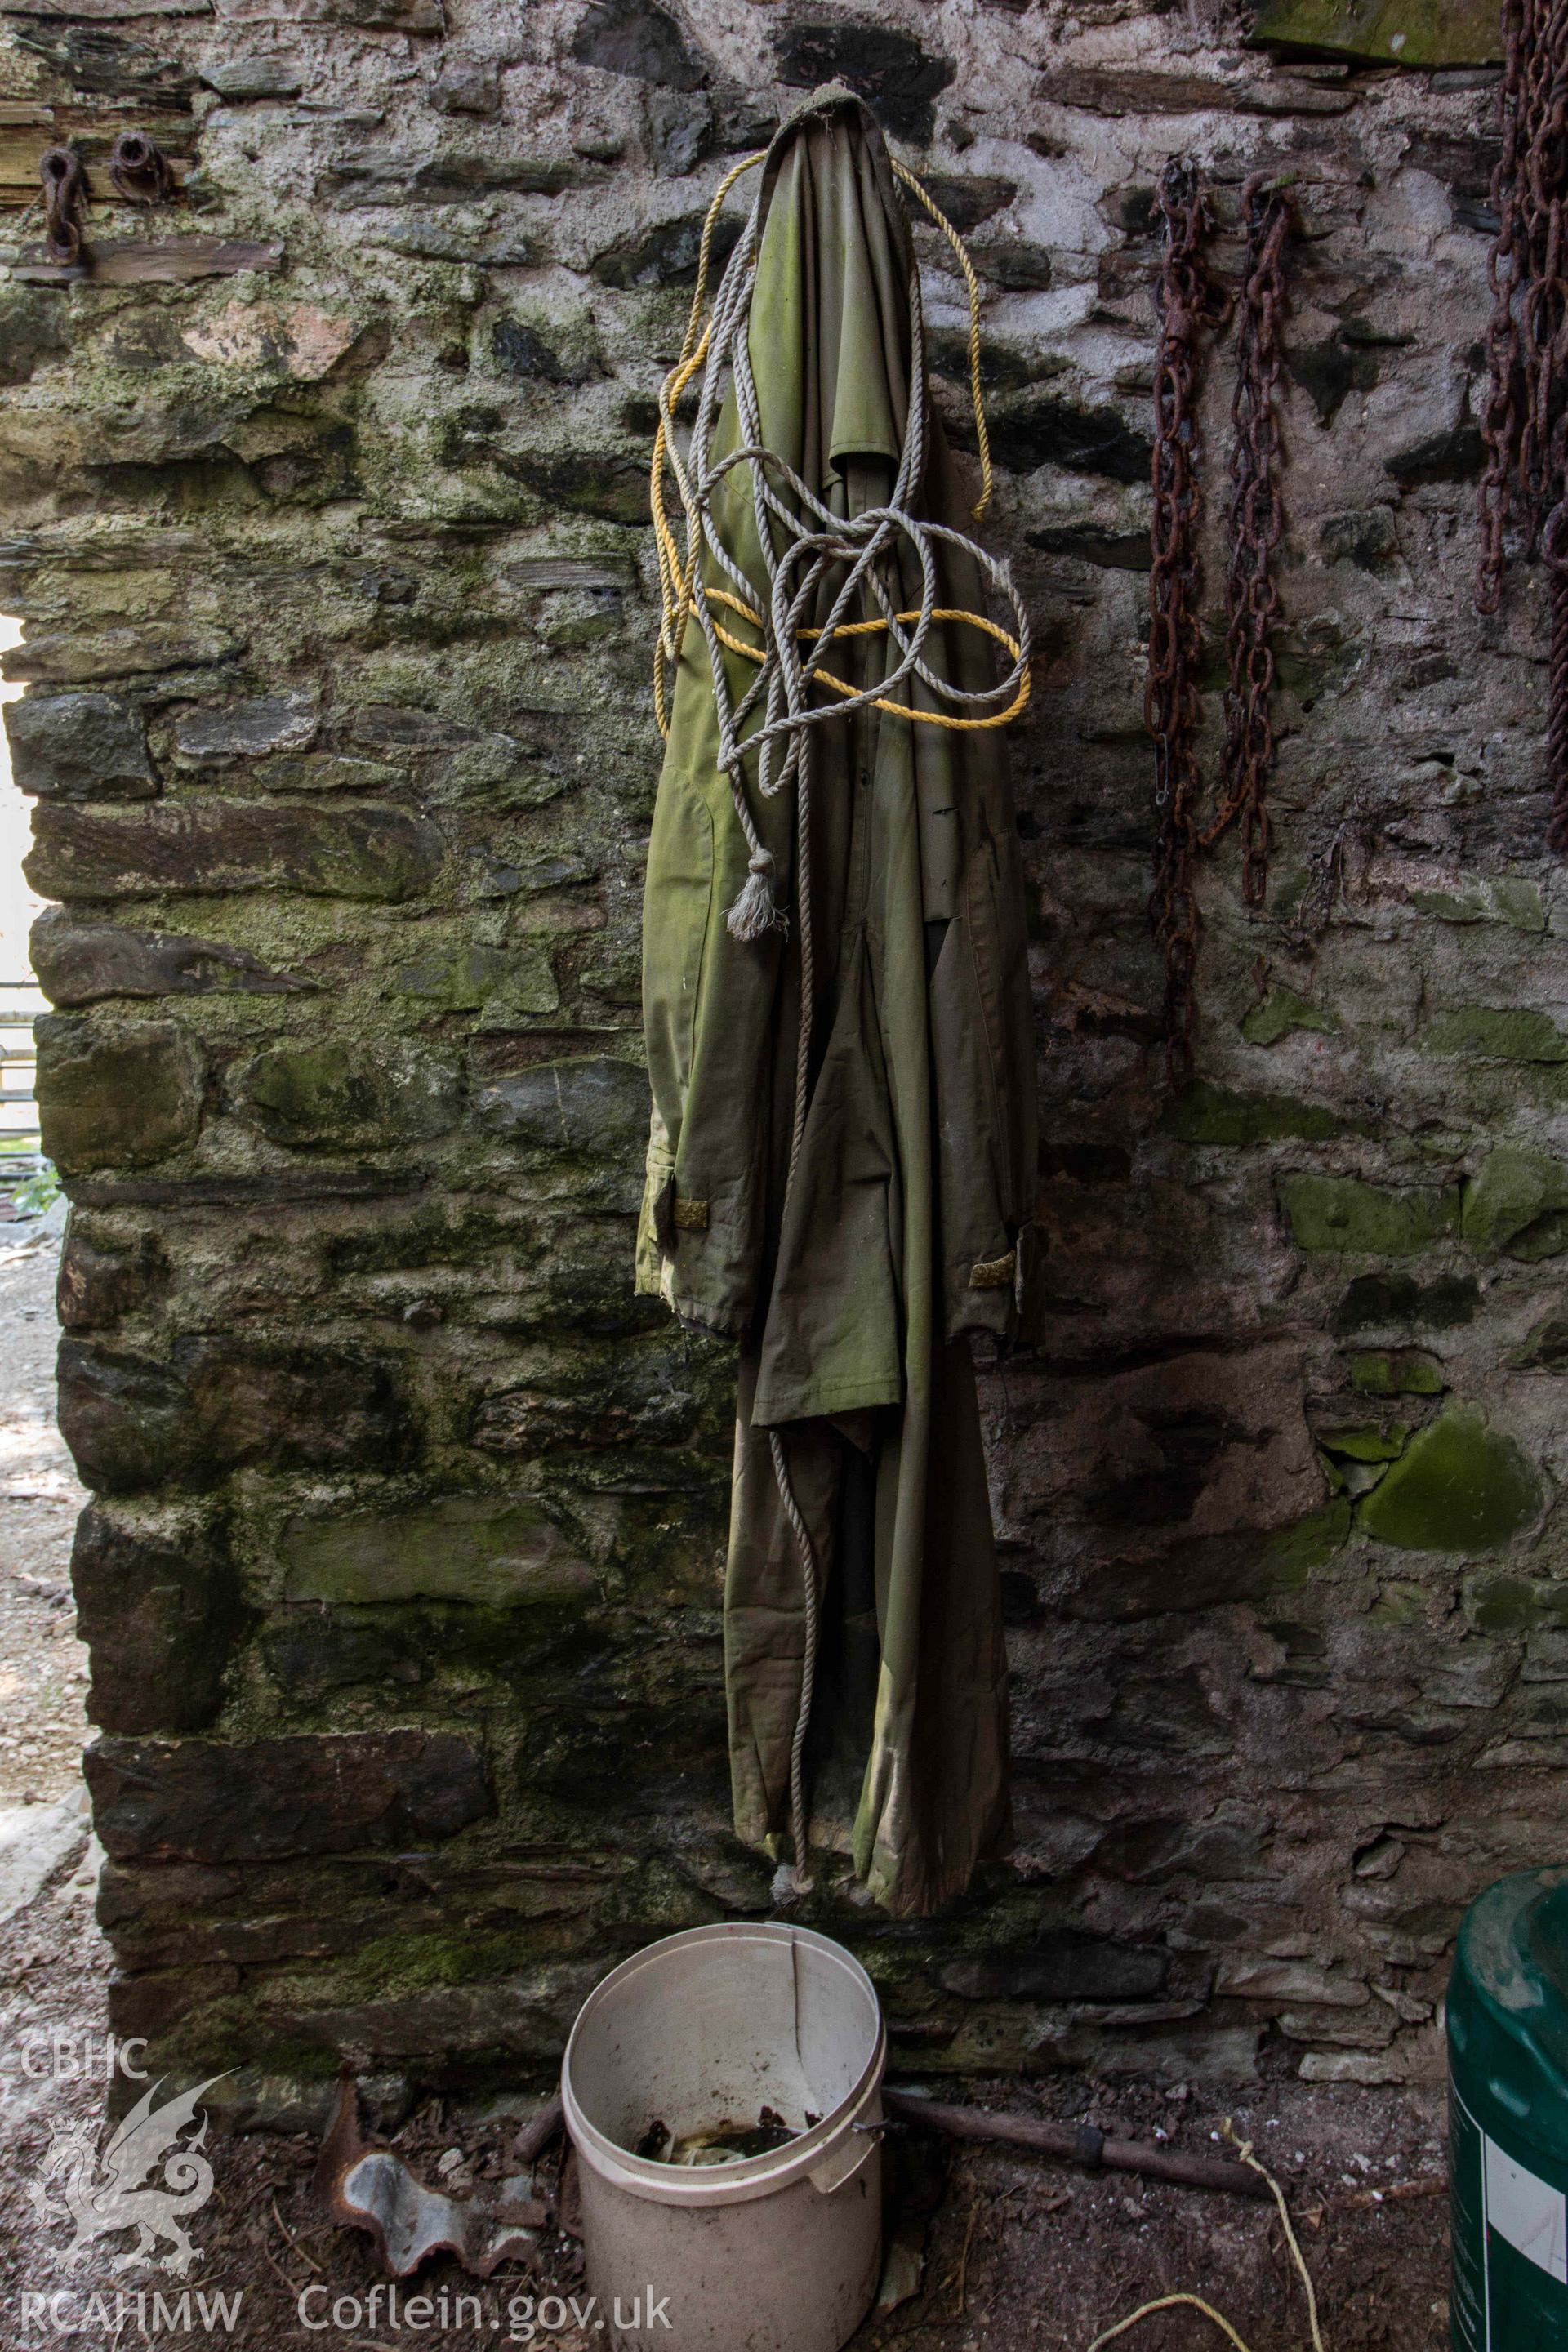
(133,261)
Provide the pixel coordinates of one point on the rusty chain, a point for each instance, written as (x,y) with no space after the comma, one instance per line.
(1524,419)
(1255,521)
(1188,300)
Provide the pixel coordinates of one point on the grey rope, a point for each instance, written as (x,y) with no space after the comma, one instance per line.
(789,516)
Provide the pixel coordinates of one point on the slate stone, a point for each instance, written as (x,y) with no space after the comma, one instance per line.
(105,63)
(590,1109)
(350,1097)
(32,331)
(1036,430)
(202,1801)
(1016,265)
(1546,1346)
(640,40)
(521,352)
(450,176)
(237,79)
(1456,453)
(1366,537)
(61,660)
(116,1094)
(126,1418)
(493,1550)
(82,964)
(366,852)
(664,254)
(1329,372)
(966,198)
(1382,1301)
(95,1286)
(384,16)
(80,747)
(679,131)
(292,1404)
(1064,1964)
(467,86)
(161,1612)
(610,483)
(132,1422)
(248,731)
(898,81)
(312,1651)
(1112,551)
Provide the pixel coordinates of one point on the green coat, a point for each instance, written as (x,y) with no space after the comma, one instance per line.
(917,1172)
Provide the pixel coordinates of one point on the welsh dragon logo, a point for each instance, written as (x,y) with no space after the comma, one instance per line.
(100,2195)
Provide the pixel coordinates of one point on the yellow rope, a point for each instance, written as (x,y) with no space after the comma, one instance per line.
(675,587)
(972,285)
(871,628)
(1196,2302)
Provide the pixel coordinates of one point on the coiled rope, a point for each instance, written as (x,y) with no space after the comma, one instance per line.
(809,554)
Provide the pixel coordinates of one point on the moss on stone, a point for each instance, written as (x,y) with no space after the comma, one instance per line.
(1397,1604)
(1368,1441)
(1485,1032)
(1546,1346)
(1517,1605)
(1350,1217)
(1397,1372)
(1516,1201)
(1292,1553)
(492,1550)
(1280,1012)
(1391,32)
(1518,904)
(1461,1485)
(352,1096)
(1208,1113)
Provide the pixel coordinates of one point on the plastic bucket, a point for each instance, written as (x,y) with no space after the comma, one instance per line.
(773,2253)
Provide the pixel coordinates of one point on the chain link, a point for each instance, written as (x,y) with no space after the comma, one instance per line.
(1525,420)
(1188,299)
(1252,596)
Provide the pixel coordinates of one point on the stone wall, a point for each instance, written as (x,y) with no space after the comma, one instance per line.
(324,505)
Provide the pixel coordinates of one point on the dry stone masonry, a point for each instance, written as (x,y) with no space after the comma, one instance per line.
(324,502)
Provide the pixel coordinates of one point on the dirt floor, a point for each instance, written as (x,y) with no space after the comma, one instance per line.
(997,2251)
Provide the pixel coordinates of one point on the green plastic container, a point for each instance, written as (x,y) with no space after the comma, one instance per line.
(1507,2118)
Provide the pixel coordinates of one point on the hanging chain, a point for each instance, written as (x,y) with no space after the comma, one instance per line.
(1188,299)
(1524,421)
(1252,594)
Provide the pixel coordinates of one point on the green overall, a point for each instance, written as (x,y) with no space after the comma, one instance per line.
(906,1221)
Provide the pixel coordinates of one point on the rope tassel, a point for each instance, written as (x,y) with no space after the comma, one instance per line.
(757,911)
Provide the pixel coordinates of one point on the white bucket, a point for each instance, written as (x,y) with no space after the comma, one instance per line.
(776,2252)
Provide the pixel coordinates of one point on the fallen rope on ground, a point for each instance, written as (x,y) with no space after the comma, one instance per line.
(1196,2302)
